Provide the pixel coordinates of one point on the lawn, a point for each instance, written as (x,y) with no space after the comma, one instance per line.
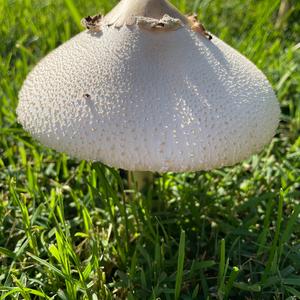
(76,230)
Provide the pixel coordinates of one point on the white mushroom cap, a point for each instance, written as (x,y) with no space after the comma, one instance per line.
(140,98)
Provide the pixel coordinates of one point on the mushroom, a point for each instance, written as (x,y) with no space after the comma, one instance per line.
(146,88)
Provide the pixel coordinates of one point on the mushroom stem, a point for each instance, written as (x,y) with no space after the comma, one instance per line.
(139,179)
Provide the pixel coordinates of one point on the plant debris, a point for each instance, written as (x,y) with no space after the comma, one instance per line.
(198,27)
(92,23)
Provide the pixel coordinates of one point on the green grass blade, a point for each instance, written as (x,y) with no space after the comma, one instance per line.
(180,264)
(233,276)
(49,266)
(221,273)
(74,12)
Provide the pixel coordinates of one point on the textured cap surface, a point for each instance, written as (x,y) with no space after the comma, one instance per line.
(149,101)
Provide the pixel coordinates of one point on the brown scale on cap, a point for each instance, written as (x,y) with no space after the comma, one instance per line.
(92,23)
(166,23)
(198,27)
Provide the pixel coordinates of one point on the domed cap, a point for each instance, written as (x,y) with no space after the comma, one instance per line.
(145,88)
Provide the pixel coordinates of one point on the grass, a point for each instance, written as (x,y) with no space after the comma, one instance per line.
(73,230)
